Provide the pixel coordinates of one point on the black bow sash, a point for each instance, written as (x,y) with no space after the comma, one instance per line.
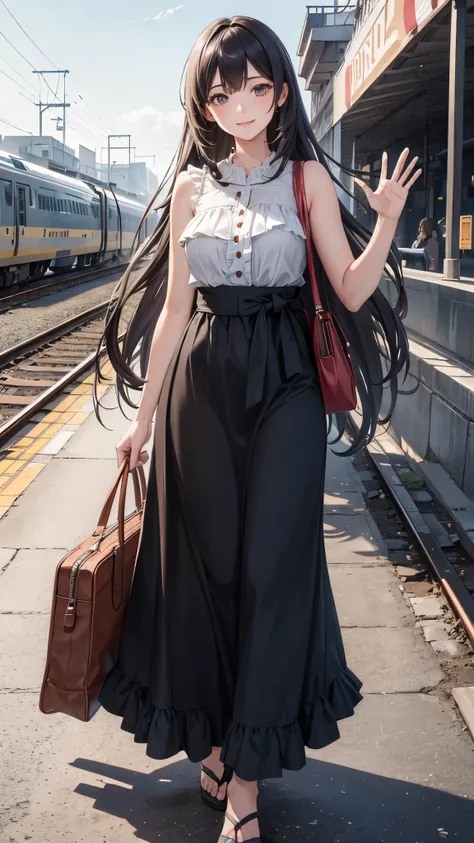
(225,300)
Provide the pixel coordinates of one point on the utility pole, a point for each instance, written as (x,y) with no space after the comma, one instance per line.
(109,148)
(43,106)
(147,156)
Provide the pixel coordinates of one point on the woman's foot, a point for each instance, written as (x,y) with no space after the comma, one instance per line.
(217,767)
(241,801)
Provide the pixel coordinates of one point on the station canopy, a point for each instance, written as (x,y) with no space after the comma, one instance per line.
(410,96)
(392,83)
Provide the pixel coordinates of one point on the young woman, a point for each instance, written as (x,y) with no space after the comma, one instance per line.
(428,240)
(231,648)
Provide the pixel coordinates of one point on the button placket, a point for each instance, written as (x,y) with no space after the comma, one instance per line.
(239,240)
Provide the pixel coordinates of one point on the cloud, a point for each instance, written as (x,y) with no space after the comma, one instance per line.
(164,14)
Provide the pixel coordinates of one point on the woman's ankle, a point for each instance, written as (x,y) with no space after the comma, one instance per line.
(237,782)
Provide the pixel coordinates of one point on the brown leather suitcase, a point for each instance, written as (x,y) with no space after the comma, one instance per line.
(91,590)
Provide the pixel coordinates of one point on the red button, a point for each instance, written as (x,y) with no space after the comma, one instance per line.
(238,254)
(241,212)
(239,224)
(238,274)
(236,238)
(238,195)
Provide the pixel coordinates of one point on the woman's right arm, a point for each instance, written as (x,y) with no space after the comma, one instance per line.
(171,323)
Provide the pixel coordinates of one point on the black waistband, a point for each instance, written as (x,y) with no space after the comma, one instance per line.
(244,301)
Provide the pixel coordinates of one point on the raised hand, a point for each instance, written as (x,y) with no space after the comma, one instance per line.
(388,200)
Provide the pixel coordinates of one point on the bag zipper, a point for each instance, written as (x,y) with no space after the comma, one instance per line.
(70,614)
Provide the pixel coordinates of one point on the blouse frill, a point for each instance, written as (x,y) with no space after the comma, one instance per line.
(253,752)
(219,221)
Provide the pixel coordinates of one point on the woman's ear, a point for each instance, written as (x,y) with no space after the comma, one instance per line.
(283,95)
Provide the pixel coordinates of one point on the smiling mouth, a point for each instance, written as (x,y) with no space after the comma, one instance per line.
(246,123)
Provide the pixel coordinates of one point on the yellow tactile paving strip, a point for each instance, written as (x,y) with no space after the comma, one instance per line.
(17,470)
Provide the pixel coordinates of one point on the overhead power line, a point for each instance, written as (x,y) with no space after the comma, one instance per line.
(15,127)
(25,32)
(95,115)
(17,51)
(27,60)
(18,73)
(15,81)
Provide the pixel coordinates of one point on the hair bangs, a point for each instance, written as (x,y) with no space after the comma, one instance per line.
(229,54)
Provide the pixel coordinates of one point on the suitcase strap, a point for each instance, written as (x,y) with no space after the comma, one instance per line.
(121,480)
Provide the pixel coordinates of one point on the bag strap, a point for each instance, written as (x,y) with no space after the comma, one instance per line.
(302,206)
(121,480)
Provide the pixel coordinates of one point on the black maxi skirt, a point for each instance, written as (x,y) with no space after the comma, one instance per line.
(231,636)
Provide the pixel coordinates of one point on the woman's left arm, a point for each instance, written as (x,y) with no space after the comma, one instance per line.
(354,280)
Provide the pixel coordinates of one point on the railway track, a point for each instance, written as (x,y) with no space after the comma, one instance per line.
(34,372)
(418,522)
(34,290)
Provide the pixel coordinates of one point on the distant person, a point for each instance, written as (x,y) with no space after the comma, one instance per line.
(428,240)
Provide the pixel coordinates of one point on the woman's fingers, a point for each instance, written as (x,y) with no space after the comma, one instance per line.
(365,187)
(123,451)
(144,457)
(408,170)
(400,164)
(384,168)
(414,178)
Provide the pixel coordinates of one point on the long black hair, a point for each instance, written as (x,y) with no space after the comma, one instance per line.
(375,332)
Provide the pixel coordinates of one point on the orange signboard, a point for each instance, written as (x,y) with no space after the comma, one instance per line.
(383,35)
(466,232)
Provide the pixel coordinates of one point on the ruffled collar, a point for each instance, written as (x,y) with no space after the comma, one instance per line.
(235,174)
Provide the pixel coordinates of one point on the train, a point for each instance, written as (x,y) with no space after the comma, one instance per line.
(51,221)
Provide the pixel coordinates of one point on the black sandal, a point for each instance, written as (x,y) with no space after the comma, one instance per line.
(237,826)
(213,801)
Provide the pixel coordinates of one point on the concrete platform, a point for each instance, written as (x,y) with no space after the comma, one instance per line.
(403,769)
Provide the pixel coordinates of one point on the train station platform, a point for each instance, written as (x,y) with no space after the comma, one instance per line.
(402,771)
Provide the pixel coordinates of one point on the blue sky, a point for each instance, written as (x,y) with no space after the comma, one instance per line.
(127,70)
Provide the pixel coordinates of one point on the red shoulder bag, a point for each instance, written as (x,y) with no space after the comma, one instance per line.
(331,348)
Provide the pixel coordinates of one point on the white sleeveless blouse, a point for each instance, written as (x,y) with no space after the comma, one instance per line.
(246,232)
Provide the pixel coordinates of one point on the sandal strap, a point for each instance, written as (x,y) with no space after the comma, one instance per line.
(238,824)
(226,776)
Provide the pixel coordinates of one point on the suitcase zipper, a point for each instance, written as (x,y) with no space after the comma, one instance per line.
(70,615)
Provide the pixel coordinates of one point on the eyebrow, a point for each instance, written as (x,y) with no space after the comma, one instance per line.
(220,85)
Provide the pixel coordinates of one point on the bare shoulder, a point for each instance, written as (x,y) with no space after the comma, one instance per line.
(317,181)
(183,186)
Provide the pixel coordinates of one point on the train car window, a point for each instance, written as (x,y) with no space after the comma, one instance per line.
(8,193)
(21,205)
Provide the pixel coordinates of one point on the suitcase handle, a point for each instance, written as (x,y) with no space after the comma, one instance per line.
(139,485)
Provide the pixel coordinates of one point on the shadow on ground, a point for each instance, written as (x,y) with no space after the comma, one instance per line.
(323,803)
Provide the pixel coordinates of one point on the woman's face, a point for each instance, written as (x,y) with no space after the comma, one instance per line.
(246,113)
